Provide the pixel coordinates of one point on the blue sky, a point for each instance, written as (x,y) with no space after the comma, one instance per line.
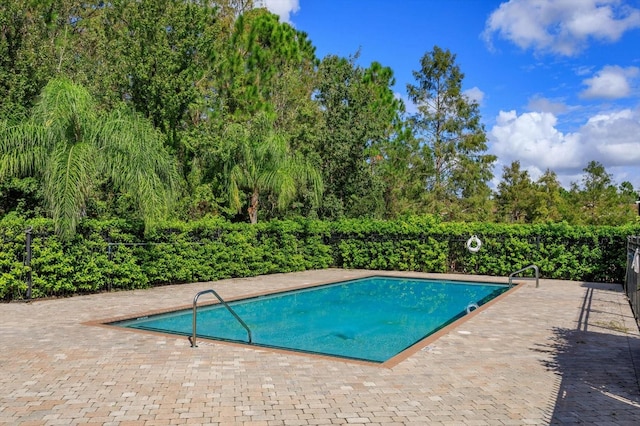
(558,81)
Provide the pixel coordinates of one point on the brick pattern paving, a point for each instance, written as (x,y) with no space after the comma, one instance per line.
(563,353)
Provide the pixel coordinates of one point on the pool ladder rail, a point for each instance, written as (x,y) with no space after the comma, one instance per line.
(534,267)
(192,338)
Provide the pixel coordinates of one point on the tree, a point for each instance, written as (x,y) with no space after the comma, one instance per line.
(597,201)
(70,144)
(156,55)
(29,44)
(448,123)
(403,170)
(260,162)
(358,116)
(259,52)
(627,192)
(550,204)
(516,194)
(260,66)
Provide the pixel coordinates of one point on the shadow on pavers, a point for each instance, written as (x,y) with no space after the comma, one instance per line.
(599,368)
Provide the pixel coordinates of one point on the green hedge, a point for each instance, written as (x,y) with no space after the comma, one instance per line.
(108,255)
(584,253)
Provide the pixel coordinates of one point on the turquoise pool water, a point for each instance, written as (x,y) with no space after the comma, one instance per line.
(371,319)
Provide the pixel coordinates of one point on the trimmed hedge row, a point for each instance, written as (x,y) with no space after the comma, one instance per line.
(109,255)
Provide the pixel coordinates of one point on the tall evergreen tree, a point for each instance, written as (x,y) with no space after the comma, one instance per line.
(258,53)
(261,65)
(403,169)
(516,195)
(448,123)
(359,114)
(155,55)
(159,56)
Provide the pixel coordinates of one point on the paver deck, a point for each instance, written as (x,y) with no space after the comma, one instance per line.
(563,353)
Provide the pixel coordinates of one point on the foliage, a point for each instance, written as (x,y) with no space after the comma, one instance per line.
(448,123)
(261,161)
(67,142)
(21,196)
(550,205)
(258,53)
(154,54)
(194,69)
(597,201)
(118,255)
(359,113)
(29,49)
(12,269)
(166,83)
(516,195)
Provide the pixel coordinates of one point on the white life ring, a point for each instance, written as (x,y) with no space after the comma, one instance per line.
(474,244)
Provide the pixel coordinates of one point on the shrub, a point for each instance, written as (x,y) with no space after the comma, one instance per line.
(116,254)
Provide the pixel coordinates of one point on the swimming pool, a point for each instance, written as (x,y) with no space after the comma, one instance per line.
(370,319)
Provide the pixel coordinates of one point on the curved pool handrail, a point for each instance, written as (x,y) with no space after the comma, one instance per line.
(534,267)
(192,338)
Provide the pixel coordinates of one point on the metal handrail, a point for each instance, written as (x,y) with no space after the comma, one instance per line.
(192,338)
(534,267)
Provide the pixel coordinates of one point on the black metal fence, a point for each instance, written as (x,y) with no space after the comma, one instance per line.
(632,281)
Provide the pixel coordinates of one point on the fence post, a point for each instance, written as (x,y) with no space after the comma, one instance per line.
(110,257)
(631,284)
(27,262)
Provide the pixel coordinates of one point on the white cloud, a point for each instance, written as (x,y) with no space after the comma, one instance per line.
(611,82)
(533,139)
(560,26)
(474,94)
(583,70)
(542,104)
(613,137)
(282,8)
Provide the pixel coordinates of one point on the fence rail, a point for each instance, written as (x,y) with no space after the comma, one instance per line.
(632,281)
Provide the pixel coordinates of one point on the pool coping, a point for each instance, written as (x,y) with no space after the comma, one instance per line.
(388,364)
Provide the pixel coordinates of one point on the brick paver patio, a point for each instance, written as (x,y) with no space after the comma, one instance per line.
(563,353)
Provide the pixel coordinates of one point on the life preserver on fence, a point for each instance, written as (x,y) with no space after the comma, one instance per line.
(474,244)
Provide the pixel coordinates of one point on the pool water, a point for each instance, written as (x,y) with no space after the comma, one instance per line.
(371,319)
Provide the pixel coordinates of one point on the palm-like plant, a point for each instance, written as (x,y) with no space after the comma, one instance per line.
(261,161)
(68,142)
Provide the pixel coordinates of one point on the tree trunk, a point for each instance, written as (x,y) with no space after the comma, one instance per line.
(253,207)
